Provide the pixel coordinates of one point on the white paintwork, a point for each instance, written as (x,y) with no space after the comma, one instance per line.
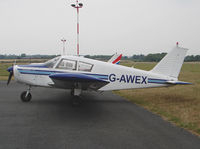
(171,61)
(171,64)
(114,58)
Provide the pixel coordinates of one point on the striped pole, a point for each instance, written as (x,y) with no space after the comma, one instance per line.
(77,6)
(77,29)
(63,40)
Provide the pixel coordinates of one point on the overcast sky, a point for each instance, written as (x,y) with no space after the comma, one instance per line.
(106,26)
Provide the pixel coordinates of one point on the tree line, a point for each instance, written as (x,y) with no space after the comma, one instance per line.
(145,58)
(138,58)
(24,56)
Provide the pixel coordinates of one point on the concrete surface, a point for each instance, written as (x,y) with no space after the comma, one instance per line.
(103,121)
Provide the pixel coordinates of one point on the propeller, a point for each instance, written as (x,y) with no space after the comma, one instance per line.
(10,69)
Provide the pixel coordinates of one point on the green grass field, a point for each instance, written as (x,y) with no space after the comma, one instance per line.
(4,64)
(178,104)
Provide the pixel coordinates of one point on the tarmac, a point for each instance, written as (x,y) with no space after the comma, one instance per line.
(103,121)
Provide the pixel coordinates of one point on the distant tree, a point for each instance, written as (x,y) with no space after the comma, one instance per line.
(138,58)
(154,57)
(87,56)
(124,57)
(2,56)
(23,55)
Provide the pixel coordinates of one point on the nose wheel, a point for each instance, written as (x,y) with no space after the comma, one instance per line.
(26,95)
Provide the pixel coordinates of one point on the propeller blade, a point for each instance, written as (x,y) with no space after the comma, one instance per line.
(10,69)
(10,77)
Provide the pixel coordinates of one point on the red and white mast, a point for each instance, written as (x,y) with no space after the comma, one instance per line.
(63,41)
(177,44)
(77,6)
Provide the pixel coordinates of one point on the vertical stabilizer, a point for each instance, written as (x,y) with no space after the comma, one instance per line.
(171,64)
(115,59)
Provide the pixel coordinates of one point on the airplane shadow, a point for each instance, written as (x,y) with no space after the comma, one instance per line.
(58,106)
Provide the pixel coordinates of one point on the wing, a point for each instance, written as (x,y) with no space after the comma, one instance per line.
(71,80)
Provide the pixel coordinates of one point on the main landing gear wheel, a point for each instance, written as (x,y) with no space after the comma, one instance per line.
(76,101)
(26,96)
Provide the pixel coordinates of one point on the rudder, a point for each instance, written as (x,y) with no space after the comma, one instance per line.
(171,64)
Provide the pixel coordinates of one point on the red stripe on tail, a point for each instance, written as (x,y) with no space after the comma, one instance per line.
(116,60)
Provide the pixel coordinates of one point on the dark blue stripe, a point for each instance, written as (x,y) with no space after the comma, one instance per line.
(62,72)
(162,81)
(46,72)
(156,79)
(183,83)
(75,77)
(38,72)
(96,74)
(36,66)
(35,72)
(157,82)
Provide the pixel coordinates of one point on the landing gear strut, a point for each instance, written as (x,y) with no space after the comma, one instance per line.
(26,95)
(76,100)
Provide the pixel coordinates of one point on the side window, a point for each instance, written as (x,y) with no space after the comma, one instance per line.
(67,64)
(82,66)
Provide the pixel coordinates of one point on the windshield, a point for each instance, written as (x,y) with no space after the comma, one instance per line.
(51,62)
(67,64)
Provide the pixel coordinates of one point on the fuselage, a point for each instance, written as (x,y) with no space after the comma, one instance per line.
(119,77)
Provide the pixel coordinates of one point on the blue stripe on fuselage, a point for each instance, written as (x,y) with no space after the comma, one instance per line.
(157,81)
(47,72)
(34,65)
(117,62)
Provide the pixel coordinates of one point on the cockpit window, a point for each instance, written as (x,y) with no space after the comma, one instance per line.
(82,66)
(67,64)
(52,62)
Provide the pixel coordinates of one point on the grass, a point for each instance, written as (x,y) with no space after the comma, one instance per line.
(22,60)
(4,64)
(178,104)
(3,70)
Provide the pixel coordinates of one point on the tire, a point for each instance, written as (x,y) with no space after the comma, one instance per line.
(76,101)
(24,98)
(72,92)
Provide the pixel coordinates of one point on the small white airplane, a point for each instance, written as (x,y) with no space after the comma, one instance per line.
(79,74)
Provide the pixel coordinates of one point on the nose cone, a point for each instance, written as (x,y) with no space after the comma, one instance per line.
(10,69)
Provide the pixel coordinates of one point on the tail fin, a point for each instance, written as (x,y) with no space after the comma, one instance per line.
(115,59)
(171,64)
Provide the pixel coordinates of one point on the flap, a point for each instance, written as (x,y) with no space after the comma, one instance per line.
(68,81)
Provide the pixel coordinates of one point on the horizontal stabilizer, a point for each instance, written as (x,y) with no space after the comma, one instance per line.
(169,82)
(178,83)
